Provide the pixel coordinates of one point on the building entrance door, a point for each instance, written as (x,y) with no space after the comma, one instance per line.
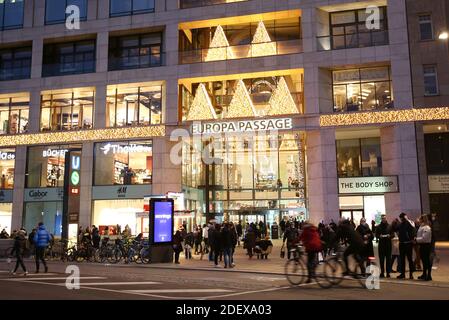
(354,215)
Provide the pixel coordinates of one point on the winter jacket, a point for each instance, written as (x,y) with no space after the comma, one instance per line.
(406,232)
(384,234)
(216,240)
(42,237)
(250,239)
(424,235)
(347,233)
(311,239)
(177,241)
(291,235)
(226,238)
(19,244)
(367,236)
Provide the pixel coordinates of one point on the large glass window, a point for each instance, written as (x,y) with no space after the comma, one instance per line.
(359,157)
(352,29)
(437,153)
(46,165)
(50,213)
(55,10)
(430,80)
(6,216)
(129,7)
(362,89)
(135,51)
(184,4)
(15,63)
(130,106)
(7,163)
(14,113)
(68,58)
(123,163)
(425,27)
(11,14)
(67,111)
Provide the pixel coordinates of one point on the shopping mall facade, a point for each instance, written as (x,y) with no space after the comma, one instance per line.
(247,110)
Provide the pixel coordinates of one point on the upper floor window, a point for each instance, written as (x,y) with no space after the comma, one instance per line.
(11,14)
(437,152)
(55,10)
(135,51)
(129,7)
(7,164)
(352,29)
(14,114)
(184,4)
(130,106)
(362,89)
(430,80)
(425,27)
(67,111)
(241,40)
(15,63)
(68,58)
(359,157)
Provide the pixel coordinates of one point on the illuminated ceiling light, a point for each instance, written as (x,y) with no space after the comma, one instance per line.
(262,44)
(281,102)
(202,108)
(219,47)
(241,104)
(443,35)
(387,91)
(440,127)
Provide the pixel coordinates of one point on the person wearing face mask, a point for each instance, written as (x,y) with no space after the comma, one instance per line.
(384,234)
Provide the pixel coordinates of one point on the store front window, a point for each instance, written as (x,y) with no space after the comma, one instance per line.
(250,174)
(359,157)
(50,213)
(5,217)
(121,212)
(71,110)
(123,163)
(14,113)
(362,89)
(242,98)
(133,106)
(7,163)
(46,165)
(370,207)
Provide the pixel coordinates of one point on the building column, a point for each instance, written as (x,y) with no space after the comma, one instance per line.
(92,7)
(166,175)
(171,44)
(37,55)
(422,166)
(102,52)
(39,13)
(308,29)
(103,10)
(170,103)
(161,5)
(19,185)
(28,14)
(35,108)
(322,182)
(317,90)
(399,158)
(87,167)
(100,106)
(171,5)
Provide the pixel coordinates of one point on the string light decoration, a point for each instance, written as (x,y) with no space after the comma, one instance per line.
(202,108)
(241,104)
(82,135)
(281,101)
(392,116)
(219,47)
(262,44)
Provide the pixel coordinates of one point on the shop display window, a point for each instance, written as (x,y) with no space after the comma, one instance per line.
(123,163)
(7,163)
(50,213)
(5,217)
(14,114)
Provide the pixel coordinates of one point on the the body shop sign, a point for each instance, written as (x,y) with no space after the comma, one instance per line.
(439,183)
(364,185)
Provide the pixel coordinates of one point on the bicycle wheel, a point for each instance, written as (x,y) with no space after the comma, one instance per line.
(333,271)
(361,277)
(145,255)
(324,280)
(295,271)
(116,256)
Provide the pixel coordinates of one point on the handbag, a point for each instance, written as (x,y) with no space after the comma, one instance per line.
(282,252)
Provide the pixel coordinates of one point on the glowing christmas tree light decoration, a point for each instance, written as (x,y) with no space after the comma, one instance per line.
(281,101)
(261,44)
(202,108)
(241,104)
(219,47)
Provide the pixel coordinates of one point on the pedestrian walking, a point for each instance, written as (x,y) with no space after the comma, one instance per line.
(291,236)
(250,241)
(18,250)
(384,234)
(41,241)
(226,244)
(177,245)
(216,243)
(424,240)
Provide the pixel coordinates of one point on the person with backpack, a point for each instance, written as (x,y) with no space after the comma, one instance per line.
(18,250)
(310,238)
(41,241)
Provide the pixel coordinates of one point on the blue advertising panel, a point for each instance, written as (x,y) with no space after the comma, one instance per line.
(162,212)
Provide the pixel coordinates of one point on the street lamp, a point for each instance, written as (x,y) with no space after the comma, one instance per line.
(443,35)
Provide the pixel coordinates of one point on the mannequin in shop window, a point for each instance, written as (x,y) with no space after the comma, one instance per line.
(52,177)
(127,174)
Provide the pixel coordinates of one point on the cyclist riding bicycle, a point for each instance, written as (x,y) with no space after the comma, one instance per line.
(356,245)
(310,238)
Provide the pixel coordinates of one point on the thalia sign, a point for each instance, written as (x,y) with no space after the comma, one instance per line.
(132,148)
(242,126)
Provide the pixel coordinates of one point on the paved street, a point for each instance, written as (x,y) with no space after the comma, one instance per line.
(198,279)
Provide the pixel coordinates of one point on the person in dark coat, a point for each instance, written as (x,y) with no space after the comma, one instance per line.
(356,245)
(367,235)
(235,238)
(406,233)
(18,250)
(31,245)
(239,229)
(384,234)
(226,245)
(282,226)
(177,245)
(96,237)
(216,242)
(291,236)
(250,241)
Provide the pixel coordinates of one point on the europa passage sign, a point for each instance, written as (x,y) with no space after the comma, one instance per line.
(161,220)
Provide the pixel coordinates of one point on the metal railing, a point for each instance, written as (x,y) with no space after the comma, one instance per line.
(185,4)
(241,51)
(148,61)
(354,40)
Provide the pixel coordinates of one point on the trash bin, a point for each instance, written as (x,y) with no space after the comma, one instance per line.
(274,231)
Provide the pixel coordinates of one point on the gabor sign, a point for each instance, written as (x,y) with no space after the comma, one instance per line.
(242,126)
